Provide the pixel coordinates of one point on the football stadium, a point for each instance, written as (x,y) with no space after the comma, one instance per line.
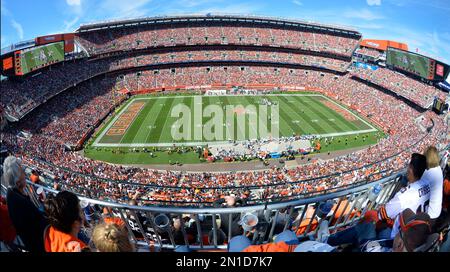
(222,133)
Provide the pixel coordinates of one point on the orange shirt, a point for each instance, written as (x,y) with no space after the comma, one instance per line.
(58,241)
(114,220)
(271,247)
(34,178)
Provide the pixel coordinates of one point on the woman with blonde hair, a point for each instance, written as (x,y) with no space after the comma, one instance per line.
(109,237)
(434,176)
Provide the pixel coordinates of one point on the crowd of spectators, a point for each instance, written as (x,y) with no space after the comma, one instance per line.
(61,223)
(26,94)
(132,38)
(413,90)
(374,53)
(70,170)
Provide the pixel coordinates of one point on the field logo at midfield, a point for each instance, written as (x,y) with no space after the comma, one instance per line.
(220,124)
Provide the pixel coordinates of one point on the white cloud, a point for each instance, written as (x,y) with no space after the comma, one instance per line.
(18,27)
(431,44)
(68,25)
(297,2)
(363,14)
(73,2)
(374,2)
(4,11)
(368,26)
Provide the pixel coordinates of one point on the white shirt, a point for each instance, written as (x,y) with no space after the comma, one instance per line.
(415,196)
(436,180)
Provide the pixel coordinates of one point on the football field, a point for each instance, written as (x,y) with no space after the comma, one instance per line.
(151,120)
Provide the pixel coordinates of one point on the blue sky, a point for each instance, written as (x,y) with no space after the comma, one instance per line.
(422,24)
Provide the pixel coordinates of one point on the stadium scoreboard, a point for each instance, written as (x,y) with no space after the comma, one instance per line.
(34,58)
(439,105)
(24,61)
(416,64)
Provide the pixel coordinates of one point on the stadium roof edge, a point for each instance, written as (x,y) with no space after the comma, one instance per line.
(17,46)
(210,17)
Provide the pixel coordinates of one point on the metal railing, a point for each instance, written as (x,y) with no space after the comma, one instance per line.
(152,228)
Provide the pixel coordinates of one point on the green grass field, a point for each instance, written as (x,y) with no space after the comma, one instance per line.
(41,56)
(147,122)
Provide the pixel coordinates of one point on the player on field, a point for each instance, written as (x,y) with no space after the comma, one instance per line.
(415,196)
(42,56)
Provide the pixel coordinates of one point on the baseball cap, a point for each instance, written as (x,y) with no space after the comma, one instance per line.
(313,246)
(238,243)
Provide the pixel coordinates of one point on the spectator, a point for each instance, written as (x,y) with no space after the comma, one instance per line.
(433,175)
(111,238)
(235,218)
(415,196)
(7,230)
(28,221)
(65,216)
(443,220)
(285,241)
(34,177)
(414,235)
